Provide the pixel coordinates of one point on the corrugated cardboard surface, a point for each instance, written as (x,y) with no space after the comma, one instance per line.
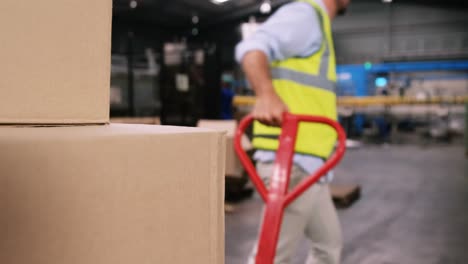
(233,166)
(229,126)
(136,120)
(55,61)
(115,194)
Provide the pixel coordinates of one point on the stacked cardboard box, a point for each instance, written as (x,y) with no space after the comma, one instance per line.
(233,166)
(55,61)
(111,194)
(136,120)
(76,190)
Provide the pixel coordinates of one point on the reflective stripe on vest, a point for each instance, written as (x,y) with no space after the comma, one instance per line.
(320,81)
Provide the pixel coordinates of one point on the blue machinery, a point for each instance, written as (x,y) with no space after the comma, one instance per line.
(362,80)
(358,79)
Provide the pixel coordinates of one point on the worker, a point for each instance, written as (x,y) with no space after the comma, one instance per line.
(227,96)
(290,63)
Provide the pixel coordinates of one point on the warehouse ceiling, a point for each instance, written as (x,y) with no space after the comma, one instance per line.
(179,13)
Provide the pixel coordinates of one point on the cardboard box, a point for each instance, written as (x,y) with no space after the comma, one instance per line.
(136,120)
(233,166)
(115,194)
(55,61)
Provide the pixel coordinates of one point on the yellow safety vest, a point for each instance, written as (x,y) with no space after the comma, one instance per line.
(307,86)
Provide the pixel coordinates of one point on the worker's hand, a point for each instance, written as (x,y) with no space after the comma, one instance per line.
(269,109)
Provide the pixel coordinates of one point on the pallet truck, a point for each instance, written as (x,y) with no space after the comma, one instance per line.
(277,197)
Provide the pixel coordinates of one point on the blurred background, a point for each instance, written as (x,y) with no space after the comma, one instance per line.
(414,49)
(403,101)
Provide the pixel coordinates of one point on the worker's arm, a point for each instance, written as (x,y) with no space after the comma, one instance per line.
(293,31)
(269,108)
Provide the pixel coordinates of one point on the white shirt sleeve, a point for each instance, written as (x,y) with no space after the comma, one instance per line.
(293,31)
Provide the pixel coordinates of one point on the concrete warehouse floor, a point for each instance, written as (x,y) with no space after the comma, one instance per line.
(414,208)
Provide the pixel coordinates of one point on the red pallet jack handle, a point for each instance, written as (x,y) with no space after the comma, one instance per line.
(277,197)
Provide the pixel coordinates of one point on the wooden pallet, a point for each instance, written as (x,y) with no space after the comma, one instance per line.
(345,195)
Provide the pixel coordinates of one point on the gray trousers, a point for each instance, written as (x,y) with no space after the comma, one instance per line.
(312,215)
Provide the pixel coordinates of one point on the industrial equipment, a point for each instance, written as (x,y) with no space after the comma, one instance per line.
(277,197)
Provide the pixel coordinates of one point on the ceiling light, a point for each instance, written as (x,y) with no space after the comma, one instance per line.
(133,4)
(387,1)
(219,2)
(195,19)
(265,7)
